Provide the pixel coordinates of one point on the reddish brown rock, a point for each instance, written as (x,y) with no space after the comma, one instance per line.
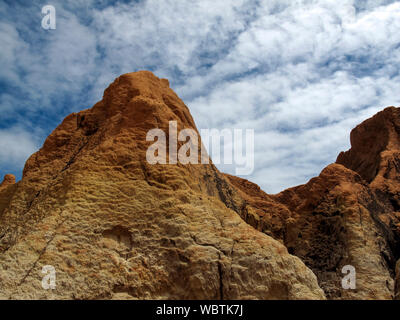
(9,179)
(346,216)
(336,223)
(370,142)
(330,222)
(7,188)
(115,227)
(261,210)
(375,155)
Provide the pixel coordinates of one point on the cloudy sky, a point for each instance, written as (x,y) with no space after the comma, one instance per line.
(301,73)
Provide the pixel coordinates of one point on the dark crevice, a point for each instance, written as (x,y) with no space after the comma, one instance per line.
(204,244)
(393,243)
(41,253)
(73,158)
(221,282)
(220,185)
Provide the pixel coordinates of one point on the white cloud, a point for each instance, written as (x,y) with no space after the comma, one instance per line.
(301,73)
(16,145)
(304,104)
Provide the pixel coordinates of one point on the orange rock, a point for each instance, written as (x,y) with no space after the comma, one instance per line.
(9,179)
(114,226)
(369,140)
(346,216)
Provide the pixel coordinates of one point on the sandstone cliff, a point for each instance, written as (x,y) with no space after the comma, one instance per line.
(116,227)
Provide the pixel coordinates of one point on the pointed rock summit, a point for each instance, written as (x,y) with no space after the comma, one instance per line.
(373,142)
(114,226)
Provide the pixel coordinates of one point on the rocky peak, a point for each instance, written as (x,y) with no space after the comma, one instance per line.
(162,231)
(131,106)
(370,140)
(156,231)
(146,96)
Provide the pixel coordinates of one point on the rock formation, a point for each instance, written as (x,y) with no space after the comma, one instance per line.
(349,215)
(116,227)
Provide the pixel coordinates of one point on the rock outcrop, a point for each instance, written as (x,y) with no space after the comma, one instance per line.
(375,156)
(349,215)
(116,227)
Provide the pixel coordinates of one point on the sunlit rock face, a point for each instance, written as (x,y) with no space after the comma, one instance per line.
(114,226)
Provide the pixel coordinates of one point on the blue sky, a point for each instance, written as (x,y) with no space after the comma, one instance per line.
(301,73)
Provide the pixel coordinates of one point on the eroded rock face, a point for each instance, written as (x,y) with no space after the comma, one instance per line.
(115,227)
(370,143)
(349,215)
(380,169)
(336,223)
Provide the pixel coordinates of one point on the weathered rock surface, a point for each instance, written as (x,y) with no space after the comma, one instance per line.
(9,179)
(336,223)
(349,215)
(375,156)
(115,227)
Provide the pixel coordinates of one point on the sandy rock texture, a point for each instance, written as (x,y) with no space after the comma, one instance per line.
(116,227)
